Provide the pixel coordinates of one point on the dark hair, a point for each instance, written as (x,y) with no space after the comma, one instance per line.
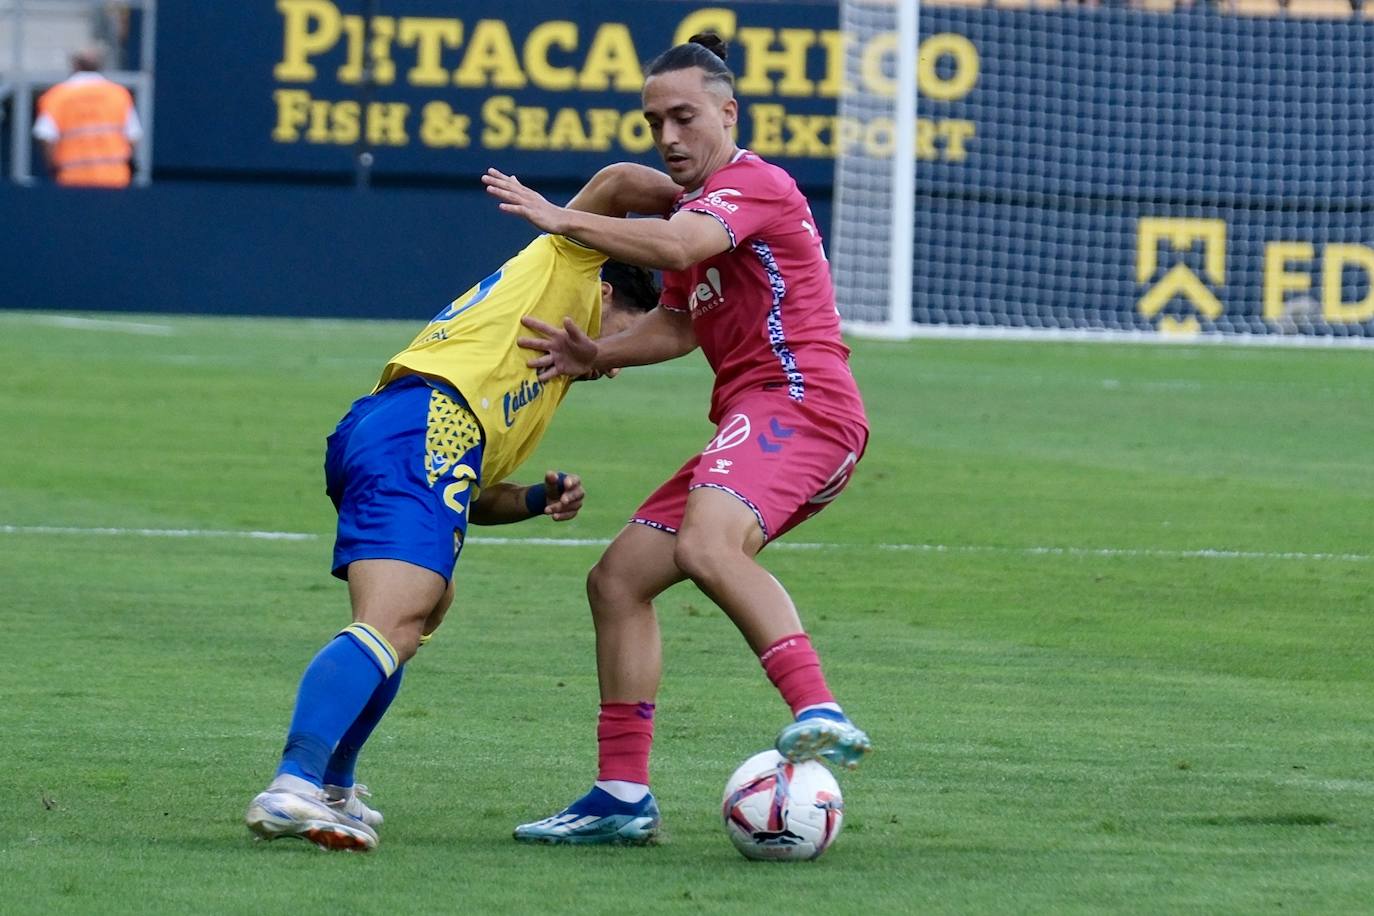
(705,50)
(633,287)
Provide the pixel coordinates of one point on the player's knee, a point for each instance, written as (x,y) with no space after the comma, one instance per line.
(606,591)
(406,641)
(596,585)
(406,646)
(700,556)
(439,611)
(614,590)
(402,632)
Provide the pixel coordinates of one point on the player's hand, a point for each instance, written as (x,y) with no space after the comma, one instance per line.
(524,202)
(565,351)
(565,495)
(596,374)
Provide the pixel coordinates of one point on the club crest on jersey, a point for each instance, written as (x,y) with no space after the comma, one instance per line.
(514,401)
(707,295)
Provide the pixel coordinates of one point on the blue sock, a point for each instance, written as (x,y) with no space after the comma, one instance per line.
(600,803)
(339,770)
(822,712)
(337,684)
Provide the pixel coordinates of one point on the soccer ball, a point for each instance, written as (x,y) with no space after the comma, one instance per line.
(774,809)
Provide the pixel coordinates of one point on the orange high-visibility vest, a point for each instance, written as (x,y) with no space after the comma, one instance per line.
(91,148)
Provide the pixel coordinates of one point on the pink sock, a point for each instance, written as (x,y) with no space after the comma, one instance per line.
(794,668)
(624,734)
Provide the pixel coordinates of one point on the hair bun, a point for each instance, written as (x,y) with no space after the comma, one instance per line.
(711,42)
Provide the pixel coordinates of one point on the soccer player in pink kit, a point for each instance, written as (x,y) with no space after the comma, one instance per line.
(746,279)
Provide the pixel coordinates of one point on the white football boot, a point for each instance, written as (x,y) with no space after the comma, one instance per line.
(279,812)
(350,802)
(823,733)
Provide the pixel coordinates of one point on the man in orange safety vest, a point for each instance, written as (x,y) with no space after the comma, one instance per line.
(88,126)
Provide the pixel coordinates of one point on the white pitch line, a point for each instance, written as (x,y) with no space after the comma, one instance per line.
(1202,554)
(159,532)
(96,324)
(1152,553)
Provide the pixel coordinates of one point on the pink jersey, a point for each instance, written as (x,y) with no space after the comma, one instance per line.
(764,311)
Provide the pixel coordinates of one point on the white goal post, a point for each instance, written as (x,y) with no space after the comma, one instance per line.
(873,224)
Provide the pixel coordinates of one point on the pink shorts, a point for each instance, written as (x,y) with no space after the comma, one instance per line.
(770,454)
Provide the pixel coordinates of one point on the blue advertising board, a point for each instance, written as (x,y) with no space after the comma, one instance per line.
(1077,167)
(1116,104)
(542,89)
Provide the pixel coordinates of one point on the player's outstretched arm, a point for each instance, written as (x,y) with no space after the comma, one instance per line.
(626,187)
(559,497)
(673,244)
(659,336)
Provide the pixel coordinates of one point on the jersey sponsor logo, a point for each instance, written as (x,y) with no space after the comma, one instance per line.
(734,432)
(707,295)
(515,401)
(837,481)
(718,199)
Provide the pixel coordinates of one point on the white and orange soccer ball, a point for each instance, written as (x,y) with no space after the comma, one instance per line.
(774,809)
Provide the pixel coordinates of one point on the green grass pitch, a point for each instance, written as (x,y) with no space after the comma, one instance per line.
(1107,612)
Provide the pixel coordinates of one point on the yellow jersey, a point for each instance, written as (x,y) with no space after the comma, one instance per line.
(471,345)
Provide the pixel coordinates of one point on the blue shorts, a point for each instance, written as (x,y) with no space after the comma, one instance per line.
(402,467)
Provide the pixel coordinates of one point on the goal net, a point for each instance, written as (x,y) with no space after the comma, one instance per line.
(1142,169)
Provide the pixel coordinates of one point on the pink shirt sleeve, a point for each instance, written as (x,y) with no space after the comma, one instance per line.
(741,203)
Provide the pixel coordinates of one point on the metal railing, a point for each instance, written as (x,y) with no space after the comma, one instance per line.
(22,81)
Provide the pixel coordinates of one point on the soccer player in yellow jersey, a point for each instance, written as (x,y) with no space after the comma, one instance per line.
(411,464)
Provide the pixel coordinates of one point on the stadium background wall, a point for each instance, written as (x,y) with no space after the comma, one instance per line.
(1069,160)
